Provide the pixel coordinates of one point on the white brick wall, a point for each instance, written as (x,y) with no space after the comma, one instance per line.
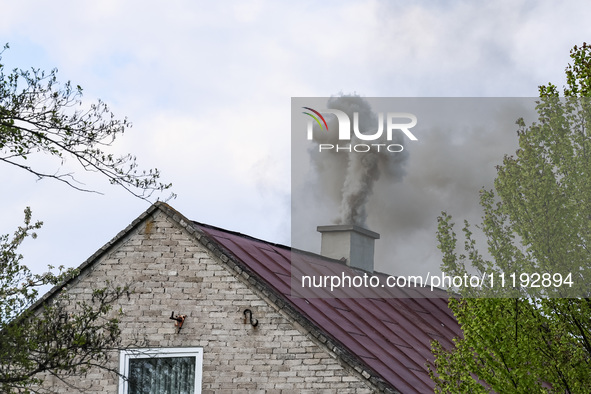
(170,271)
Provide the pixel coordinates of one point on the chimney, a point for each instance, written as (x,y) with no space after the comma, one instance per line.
(353,243)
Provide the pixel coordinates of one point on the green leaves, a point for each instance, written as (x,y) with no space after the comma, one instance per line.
(65,337)
(40,115)
(536,220)
(17,283)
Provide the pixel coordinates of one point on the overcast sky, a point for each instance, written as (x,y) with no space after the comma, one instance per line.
(207,86)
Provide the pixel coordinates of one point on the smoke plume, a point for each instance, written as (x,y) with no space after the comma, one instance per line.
(354,174)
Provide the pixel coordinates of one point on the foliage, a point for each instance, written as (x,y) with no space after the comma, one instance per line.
(60,337)
(537,220)
(38,114)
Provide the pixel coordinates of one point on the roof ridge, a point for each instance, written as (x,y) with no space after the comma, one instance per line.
(234,251)
(233,232)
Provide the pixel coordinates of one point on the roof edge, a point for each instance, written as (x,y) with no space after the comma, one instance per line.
(243,273)
(284,306)
(96,255)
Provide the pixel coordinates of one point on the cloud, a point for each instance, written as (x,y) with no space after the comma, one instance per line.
(192,75)
(460,141)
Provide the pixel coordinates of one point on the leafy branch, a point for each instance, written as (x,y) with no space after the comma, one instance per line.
(38,114)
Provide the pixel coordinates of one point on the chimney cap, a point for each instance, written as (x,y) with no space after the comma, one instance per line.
(348,227)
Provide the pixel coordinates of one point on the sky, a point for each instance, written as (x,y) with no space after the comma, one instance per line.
(208,88)
(442,161)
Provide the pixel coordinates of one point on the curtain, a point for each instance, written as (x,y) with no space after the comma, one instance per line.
(162,375)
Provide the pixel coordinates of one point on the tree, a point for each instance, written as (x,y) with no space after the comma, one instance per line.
(536,221)
(63,337)
(38,114)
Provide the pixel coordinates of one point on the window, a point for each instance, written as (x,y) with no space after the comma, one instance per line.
(161,371)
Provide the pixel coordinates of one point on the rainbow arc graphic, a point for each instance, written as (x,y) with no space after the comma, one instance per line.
(316,118)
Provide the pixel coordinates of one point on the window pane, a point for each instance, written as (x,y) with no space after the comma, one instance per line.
(162,375)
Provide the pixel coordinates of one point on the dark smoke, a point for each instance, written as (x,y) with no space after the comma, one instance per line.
(356,173)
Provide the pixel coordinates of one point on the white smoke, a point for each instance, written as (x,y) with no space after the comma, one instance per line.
(351,176)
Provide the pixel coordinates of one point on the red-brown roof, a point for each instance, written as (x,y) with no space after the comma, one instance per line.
(389,330)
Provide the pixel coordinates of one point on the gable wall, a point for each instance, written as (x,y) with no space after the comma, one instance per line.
(169,270)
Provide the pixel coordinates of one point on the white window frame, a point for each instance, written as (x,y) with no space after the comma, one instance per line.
(128,354)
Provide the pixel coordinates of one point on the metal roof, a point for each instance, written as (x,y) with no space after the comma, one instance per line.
(389,330)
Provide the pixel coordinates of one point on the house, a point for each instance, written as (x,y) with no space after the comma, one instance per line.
(245,330)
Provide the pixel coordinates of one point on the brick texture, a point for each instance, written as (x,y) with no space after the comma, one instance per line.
(169,270)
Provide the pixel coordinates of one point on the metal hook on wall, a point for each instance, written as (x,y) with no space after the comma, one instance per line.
(252,323)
